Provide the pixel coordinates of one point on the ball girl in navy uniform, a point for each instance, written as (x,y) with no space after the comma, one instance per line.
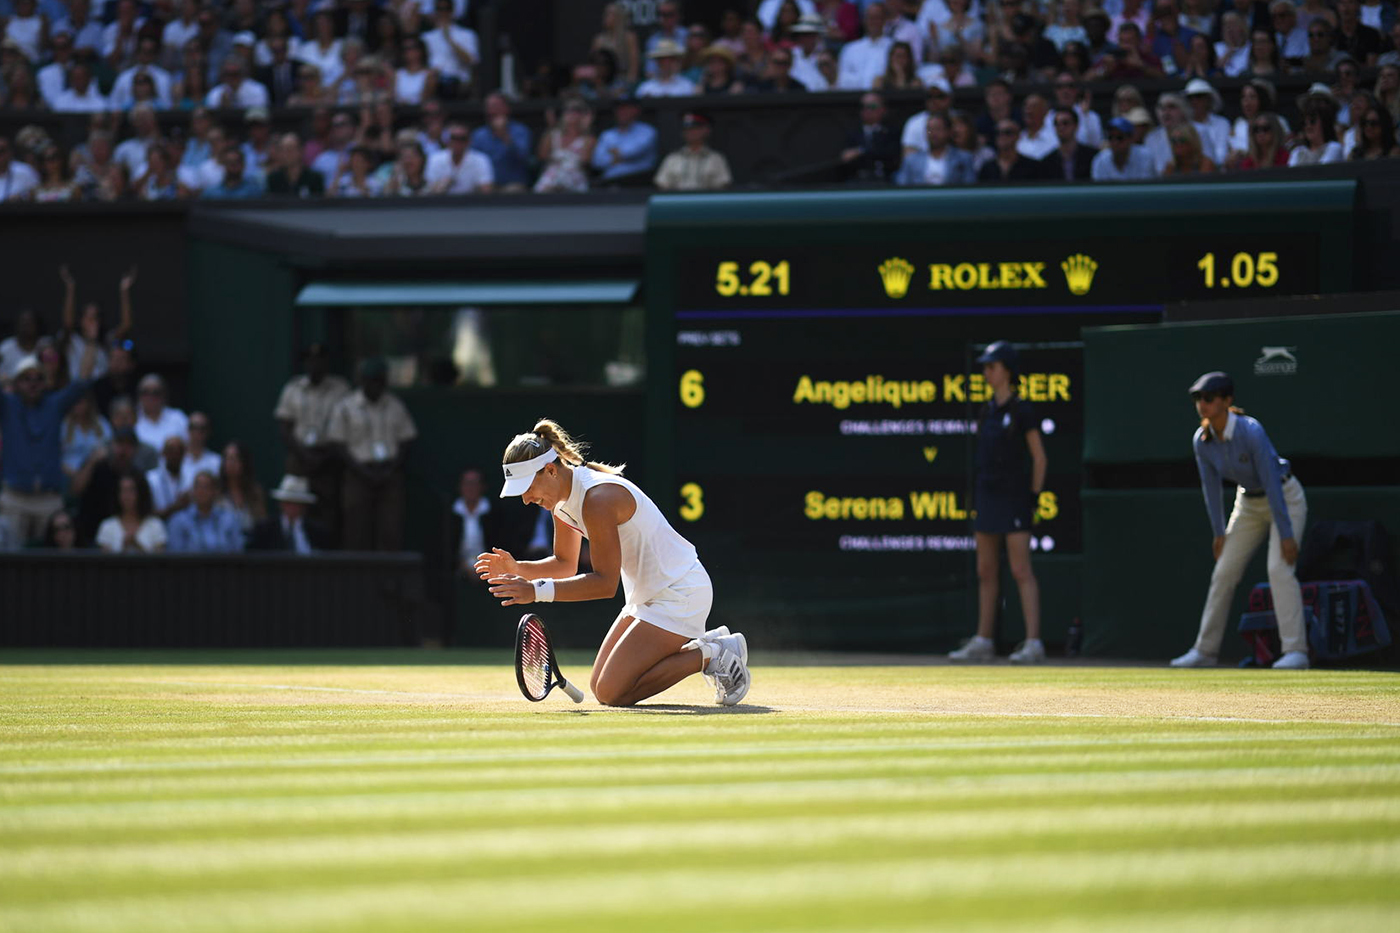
(659,637)
(1010,474)
(1232,447)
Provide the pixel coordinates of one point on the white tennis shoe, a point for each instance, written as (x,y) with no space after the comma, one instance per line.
(1032,651)
(1293,661)
(976,649)
(734,680)
(1194,658)
(727,668)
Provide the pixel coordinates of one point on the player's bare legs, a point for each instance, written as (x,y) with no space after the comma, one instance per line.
(605,650)
(641,662)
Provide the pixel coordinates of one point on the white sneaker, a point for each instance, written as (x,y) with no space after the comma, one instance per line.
(727,668)
(1194,658)
(1030,652)
(729,675)
(1293,661)
(977,648)
(736,643)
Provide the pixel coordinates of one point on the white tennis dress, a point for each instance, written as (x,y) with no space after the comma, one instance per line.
(662,578)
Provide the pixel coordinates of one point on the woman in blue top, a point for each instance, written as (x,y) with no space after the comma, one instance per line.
(1232,447)
(1011,468)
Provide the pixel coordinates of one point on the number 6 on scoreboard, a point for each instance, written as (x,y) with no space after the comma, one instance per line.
(692,388)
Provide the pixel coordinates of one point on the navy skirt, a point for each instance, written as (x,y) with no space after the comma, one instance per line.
(1000,513)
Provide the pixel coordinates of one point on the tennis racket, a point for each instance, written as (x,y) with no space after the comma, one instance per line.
(536,671)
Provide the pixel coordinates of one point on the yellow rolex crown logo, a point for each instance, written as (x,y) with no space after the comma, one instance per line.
(1079,273)
(896,274)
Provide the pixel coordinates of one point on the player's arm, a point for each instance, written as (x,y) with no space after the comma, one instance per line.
(604,509)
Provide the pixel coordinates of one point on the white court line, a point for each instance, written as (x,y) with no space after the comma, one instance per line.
(895,710)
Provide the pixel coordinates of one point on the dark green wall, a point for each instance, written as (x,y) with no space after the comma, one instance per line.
(241,352)
(1149,556)
(1338,403)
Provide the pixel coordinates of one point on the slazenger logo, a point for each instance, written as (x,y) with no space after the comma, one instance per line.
(1276,361)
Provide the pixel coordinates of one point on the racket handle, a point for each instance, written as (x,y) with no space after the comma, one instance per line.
(574,693)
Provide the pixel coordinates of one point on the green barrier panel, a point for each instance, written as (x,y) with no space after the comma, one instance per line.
(1147,565)
(1319,384)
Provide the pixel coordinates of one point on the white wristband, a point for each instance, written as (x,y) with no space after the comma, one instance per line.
(544,591)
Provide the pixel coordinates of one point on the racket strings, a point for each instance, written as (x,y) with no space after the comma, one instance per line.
(534,660)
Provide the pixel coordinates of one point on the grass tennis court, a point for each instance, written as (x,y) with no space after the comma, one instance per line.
(207,794)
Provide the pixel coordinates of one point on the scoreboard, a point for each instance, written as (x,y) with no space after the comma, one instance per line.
(785,447)
(814,391)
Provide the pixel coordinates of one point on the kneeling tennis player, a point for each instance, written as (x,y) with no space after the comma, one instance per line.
(659,638)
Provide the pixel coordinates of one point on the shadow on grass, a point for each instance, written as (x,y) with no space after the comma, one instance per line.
(668,709)
(291,657)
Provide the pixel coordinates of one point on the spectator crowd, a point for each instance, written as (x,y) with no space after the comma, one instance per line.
(180,96)
(94,454)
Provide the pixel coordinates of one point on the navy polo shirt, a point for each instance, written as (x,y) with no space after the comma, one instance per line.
(1003,459)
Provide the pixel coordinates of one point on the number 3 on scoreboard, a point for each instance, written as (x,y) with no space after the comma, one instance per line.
(693,505)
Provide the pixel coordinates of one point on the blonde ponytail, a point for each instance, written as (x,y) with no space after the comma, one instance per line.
(547,434)
(1205,422)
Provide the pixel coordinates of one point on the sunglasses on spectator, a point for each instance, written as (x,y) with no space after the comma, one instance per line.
(1262,128)
(1116,137)
(1206,397)
(1064,121)
(1318,35)
(458,137)
(1371,121)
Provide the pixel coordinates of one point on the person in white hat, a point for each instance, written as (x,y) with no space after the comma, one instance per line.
(659,637)
(938,98)
(808,34)
(1213,129)
(668,81)
(668,29)
(291,530)
(30,421)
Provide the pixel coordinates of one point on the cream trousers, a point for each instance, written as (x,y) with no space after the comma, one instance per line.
(1249,522)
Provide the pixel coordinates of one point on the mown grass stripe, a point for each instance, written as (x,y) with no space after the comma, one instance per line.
(148,798)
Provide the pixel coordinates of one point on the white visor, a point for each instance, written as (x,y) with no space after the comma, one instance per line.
(520,475)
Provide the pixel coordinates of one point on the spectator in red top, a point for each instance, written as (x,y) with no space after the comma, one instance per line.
(842,20)
(1266,144)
